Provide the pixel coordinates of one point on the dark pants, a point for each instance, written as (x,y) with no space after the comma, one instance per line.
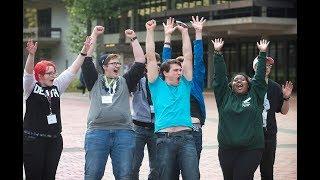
(41,156)
(177,148)
(268,157)
(239,164)
(144,136)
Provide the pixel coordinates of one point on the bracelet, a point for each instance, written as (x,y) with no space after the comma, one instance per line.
(134,38)
(217,52)
(83,54)
(167,43)
(286,99)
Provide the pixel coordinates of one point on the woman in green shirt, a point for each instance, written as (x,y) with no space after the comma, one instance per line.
(240,104)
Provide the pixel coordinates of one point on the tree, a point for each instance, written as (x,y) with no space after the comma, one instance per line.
(83,12)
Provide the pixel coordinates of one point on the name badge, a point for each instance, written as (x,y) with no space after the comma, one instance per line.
(52,119)
(106,99)
(152,108)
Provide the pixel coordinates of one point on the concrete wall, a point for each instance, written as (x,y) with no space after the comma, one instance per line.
(62,53)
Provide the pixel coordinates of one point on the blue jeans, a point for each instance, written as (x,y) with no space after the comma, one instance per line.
(99,144)
(197,135)
(144,136)
(177,148)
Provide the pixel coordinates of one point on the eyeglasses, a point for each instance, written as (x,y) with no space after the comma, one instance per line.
(51,73)
(115,63)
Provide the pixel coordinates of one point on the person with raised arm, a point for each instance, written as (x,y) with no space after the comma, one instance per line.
(42,140)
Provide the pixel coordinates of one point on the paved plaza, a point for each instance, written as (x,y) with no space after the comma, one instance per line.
(74,110)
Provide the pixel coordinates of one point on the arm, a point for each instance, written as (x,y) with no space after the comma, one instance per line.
(220,80)
(258,82)
(199,68)
(90,74)
(136,71)
(28,78)
(65,78)
(286,90)
(152,66)
(187,53)
(168,30)
(136,47)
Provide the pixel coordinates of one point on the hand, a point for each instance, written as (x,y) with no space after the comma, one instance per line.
(97,30)
(130,33)
(151,24)
(168,28)
(196,24)
(287,89)
(263,45)
(31,47)
(217,44)
(87,45)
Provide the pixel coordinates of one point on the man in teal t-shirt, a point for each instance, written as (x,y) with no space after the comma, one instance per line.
(171,100)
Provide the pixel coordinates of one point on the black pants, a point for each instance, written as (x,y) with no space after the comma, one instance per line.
(268,157)
(239,164)
(41,157)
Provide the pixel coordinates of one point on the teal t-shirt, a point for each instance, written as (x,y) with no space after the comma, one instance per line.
(171,103)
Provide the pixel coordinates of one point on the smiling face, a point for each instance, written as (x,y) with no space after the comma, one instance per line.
(112,68)
(240,84)
(46,79)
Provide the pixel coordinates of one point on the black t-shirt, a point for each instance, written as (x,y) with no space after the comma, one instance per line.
(275,97)
(38,108)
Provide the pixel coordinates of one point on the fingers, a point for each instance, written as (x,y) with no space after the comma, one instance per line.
(193,20)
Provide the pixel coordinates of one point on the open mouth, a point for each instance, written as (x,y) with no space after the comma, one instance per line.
(239,87)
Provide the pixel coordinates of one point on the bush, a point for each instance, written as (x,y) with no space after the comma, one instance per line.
(73,86)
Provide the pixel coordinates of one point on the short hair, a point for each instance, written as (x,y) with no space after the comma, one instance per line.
(166,65)
(180,58)
(41,67)
(105,58)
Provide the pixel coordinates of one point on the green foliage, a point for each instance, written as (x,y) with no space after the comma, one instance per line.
(82,11)
(73,86)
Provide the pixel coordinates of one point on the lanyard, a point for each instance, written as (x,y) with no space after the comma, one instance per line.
(48,97)
(110,90)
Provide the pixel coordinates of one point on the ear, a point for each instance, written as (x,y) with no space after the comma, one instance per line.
(165,73)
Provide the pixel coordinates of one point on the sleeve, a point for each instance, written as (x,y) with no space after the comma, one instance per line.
(220,80)
(28,83)
(90,74)
(198,67)
(64,80)
(155,87)
(166,54)
(258,82)
(133,76)
(280,99)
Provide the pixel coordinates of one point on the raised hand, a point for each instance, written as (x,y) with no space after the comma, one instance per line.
(97,30)
(217,44)
(197,24)
(130,33)
(87,45)
(151,24)
(263,45)
(31,47)
(168,28)
(287,89)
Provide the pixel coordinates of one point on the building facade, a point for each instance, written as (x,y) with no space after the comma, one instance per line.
(240,23)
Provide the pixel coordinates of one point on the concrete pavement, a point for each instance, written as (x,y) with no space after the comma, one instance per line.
(75,107)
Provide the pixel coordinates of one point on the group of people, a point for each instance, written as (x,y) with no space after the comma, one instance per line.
(168,110)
